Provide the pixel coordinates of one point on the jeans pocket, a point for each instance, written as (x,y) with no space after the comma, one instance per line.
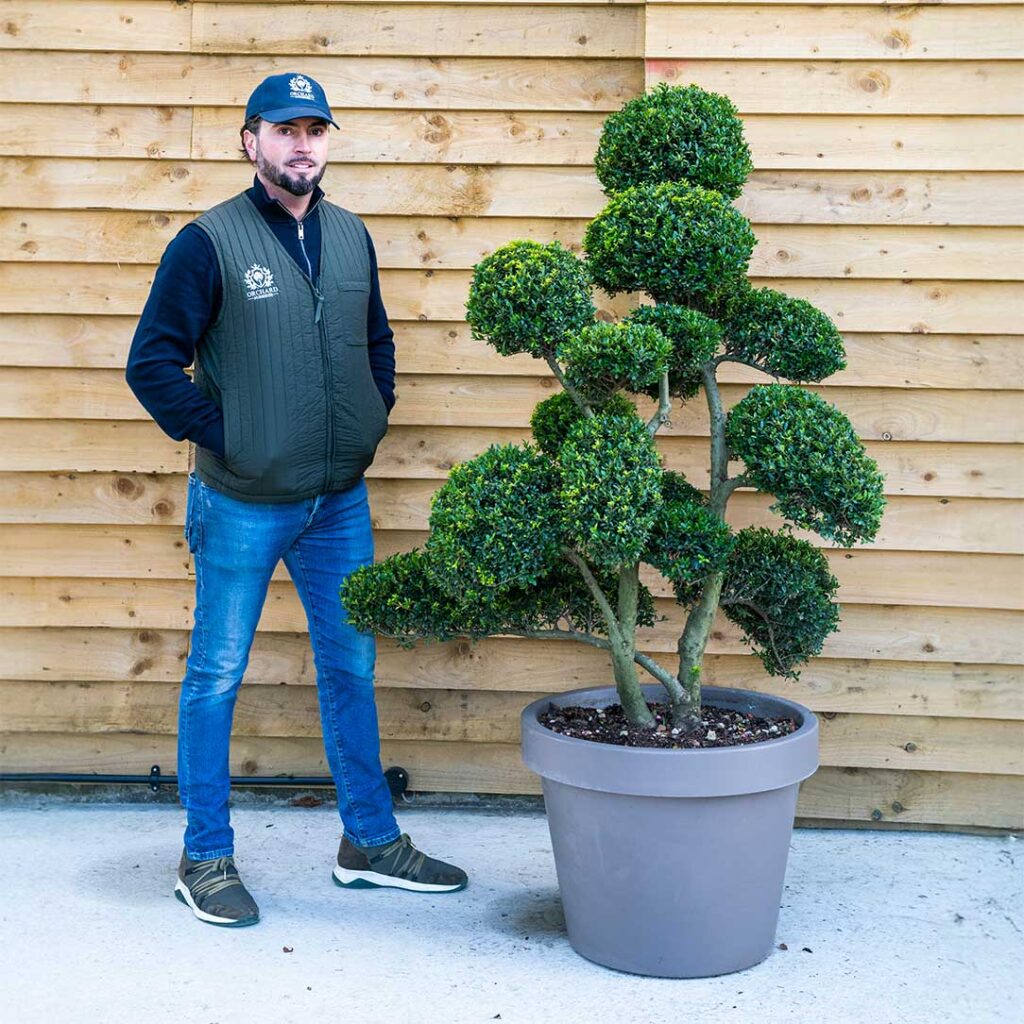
(192,501)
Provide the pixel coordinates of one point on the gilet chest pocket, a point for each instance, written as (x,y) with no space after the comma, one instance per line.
(353,298)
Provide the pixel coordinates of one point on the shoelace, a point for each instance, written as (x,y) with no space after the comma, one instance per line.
(407,859)
(209,884)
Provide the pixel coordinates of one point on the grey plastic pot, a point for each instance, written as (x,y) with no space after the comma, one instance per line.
(671,862)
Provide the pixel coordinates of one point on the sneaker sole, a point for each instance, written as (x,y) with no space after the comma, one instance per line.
(184,896)
(349,879)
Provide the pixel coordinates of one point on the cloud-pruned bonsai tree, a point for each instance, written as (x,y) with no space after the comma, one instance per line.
(546,539)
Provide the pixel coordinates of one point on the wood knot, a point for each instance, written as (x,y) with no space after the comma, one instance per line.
(874,81)
(126,487)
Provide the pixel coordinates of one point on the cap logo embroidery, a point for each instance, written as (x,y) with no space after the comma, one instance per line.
(301,88)
(259,283)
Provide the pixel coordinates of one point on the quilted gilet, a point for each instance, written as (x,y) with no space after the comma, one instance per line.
(287,360)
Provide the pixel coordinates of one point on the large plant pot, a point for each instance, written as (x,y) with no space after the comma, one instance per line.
(671,862)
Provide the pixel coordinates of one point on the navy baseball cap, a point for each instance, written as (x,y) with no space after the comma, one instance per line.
(284,97)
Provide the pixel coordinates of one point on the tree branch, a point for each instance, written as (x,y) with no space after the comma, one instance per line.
(599,596)
(664,406)
(719,451)
(730,485)
(768,623)
(727,358)
(583,404)
(666,678)
(560,634)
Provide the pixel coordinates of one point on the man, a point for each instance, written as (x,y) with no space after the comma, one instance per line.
(274,296)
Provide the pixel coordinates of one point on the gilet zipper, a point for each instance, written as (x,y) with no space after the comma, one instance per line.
(325,352)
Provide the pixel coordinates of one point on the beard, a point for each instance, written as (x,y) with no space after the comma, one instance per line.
(296,184)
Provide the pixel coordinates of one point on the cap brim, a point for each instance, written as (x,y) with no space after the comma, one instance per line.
(291,113)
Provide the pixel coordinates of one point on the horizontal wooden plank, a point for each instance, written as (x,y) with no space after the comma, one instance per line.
(806,197)
(88,445)
(443,243)
(850,87)
(285,711)
(433,30)
(833,793)
(883,414)
(568,138)
(670,3)
(776,141)
(875,686)
(906,361)
(555,3)
(866,197)
(866,741)
(874,794)
(94,25)
(906,306)
(112,289)
(145,654)
(47,549)
(890,632)
(866,575)
(880,252)
(519,83)
(417,452)
(435,136)
(375,80)
(56,599)
(909,523)
(843,31)
(96,131)
(785,197)
(930,744)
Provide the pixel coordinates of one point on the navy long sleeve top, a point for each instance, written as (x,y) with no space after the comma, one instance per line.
(185,299)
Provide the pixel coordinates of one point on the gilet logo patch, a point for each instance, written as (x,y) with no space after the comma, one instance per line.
(301,88)
(259,282)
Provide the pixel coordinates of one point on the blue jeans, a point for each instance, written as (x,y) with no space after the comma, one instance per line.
(237,545)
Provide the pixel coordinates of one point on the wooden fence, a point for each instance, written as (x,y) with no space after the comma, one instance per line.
(886,190)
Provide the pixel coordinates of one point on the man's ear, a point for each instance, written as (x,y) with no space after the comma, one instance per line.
(249,141)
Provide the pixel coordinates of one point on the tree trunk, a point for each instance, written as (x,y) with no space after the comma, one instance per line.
(631,697)
(686,712)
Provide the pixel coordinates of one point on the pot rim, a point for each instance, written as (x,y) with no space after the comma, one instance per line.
(708,771)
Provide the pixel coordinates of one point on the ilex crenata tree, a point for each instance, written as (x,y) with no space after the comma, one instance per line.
(546,539)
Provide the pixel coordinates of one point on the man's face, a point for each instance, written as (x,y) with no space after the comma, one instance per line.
(290,154)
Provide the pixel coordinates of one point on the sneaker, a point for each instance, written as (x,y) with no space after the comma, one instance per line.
(397,865)
(215,893)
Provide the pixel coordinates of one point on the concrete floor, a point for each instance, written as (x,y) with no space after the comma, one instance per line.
(906,927)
